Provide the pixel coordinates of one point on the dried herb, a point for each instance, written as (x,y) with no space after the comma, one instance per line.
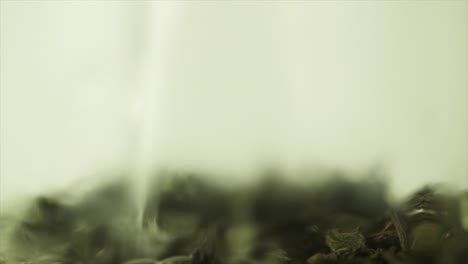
(274,222)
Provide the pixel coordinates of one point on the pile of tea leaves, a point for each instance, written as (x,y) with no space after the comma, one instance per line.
(190,220)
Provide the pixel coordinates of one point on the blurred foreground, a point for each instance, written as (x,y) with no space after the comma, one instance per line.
(188,219)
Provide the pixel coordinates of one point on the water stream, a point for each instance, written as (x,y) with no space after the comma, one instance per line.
(149,98)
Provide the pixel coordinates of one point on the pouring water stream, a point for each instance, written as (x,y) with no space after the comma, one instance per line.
(150,83)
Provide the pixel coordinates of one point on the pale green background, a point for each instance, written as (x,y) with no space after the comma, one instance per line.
(229,86)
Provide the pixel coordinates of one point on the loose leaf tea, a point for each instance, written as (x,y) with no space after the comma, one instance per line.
(189,220)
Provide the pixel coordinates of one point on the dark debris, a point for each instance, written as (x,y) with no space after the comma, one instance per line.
(338,221)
